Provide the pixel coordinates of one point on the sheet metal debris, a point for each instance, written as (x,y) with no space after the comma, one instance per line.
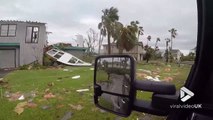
(82,90)
(76,77)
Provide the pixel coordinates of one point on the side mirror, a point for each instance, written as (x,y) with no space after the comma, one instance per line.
(115,88)
(113,80)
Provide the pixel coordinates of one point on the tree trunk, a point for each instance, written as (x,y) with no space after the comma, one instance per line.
(167,52)
(109,46)
(120,50)
(171,42)
(156,44)
(99,44)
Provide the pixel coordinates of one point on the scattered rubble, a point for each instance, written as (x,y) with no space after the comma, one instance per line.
(31,105)
(168,79)
(65,70)
(94,109)
(102,111)
(76,107)
(21,97)
(167,69)
(45,107)
(2,82)
(14,96)
(145,71)
(59,106)
(51,84)
(20,107)
(67,116)
(49,96)
(153,79)
(141,75)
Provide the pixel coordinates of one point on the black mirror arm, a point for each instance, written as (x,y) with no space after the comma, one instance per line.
(97,90)
(146,106)
(158,88)
(155,87)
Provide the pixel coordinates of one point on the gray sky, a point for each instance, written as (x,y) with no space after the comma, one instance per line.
(67,18)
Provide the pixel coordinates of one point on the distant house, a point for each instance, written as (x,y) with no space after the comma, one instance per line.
(21,43)
(74,50)
(137,52)
(176,53)
(193,50)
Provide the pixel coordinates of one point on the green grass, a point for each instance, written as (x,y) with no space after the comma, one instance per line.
(25,81)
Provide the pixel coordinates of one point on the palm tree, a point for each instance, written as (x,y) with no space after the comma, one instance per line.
(116,34)
(125,37)
(157,40)
(134,27)
(109,17)
(128,38)
(102,34)
(173,32)
(148,39)
(167,51)
(116,31)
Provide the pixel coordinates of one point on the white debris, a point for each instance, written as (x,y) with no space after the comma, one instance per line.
(21,97)
(65,70)
(149,77)
(82,90)
(1,79)
(91,68)
(157,76)
(76,77)
(153,79)
(156,79)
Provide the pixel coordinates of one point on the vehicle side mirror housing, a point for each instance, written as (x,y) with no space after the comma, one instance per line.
(115,88)
(114,77)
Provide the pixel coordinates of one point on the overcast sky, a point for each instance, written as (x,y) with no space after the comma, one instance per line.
(67,18)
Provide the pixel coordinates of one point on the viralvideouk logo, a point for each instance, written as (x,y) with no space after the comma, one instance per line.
(185,94)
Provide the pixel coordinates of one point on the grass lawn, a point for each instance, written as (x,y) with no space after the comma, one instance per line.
(63,87)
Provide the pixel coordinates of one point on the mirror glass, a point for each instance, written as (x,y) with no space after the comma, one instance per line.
(114,103)
(113,75)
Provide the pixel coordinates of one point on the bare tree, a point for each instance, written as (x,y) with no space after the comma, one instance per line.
(91,42)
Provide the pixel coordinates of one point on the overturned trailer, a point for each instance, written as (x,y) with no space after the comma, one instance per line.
(66,58)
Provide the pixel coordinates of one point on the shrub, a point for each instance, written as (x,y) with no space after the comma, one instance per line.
(48,61)
(24,67)
(32,66)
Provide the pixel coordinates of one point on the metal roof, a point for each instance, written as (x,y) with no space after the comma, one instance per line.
(19,21)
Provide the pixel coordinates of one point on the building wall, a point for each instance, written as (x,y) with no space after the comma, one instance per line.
(137,52)
(28,52)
